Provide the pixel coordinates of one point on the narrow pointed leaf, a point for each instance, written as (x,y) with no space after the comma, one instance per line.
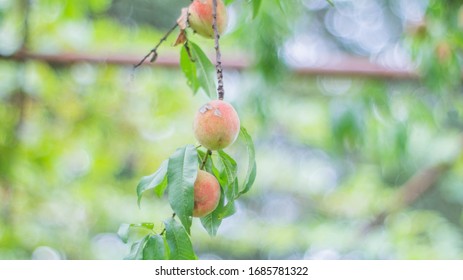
(136,251)
(179,242)
(212,221)
(218,174)
(205,70)
(153,181)
(252,168)
(155,248)
(229,190)
(231,194)
(229,165)
(189,69)
(250,178)
(228,210)
(123,232)
(129,230)
(181,175)
(228,174)
(161,188)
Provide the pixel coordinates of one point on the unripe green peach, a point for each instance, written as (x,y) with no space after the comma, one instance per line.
(216,125)
(200,17)
(206,194)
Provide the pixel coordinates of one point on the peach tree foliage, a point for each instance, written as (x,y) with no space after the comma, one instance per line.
(176,176)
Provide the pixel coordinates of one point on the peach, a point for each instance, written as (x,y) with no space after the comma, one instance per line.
(206,194)
(200,17)
(216,125)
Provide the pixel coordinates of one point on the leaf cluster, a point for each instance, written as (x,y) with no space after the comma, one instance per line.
(177,176)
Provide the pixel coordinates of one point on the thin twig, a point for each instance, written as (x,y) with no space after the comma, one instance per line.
(218,66)
(208,154)
(155,49)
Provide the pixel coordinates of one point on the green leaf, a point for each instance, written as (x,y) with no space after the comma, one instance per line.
(125,230)
(179,241)
(330,2)
(218,174)
(228,210)
(232,193)
(256,4)
(252,168)
(181,175)
(205,70)
(155,248)
(229,164)
(189,69)
(136,251)
(228,174)
(229,188)
(161,188)
(154,181)
(212,221)
(201,156)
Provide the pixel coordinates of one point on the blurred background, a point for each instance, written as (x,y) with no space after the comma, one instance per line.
(355,110)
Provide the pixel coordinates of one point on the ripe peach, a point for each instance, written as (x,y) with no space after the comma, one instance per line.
(206,194)
(200,17)
(216,125)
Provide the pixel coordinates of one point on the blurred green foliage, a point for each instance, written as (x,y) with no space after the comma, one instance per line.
(333,153)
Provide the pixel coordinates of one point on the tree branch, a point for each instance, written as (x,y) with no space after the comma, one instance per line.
(154,51)
(218,65)
(419,184)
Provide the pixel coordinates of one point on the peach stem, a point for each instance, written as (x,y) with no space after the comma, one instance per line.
(203,164)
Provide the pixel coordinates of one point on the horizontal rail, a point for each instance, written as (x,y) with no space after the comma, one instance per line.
(347,66)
